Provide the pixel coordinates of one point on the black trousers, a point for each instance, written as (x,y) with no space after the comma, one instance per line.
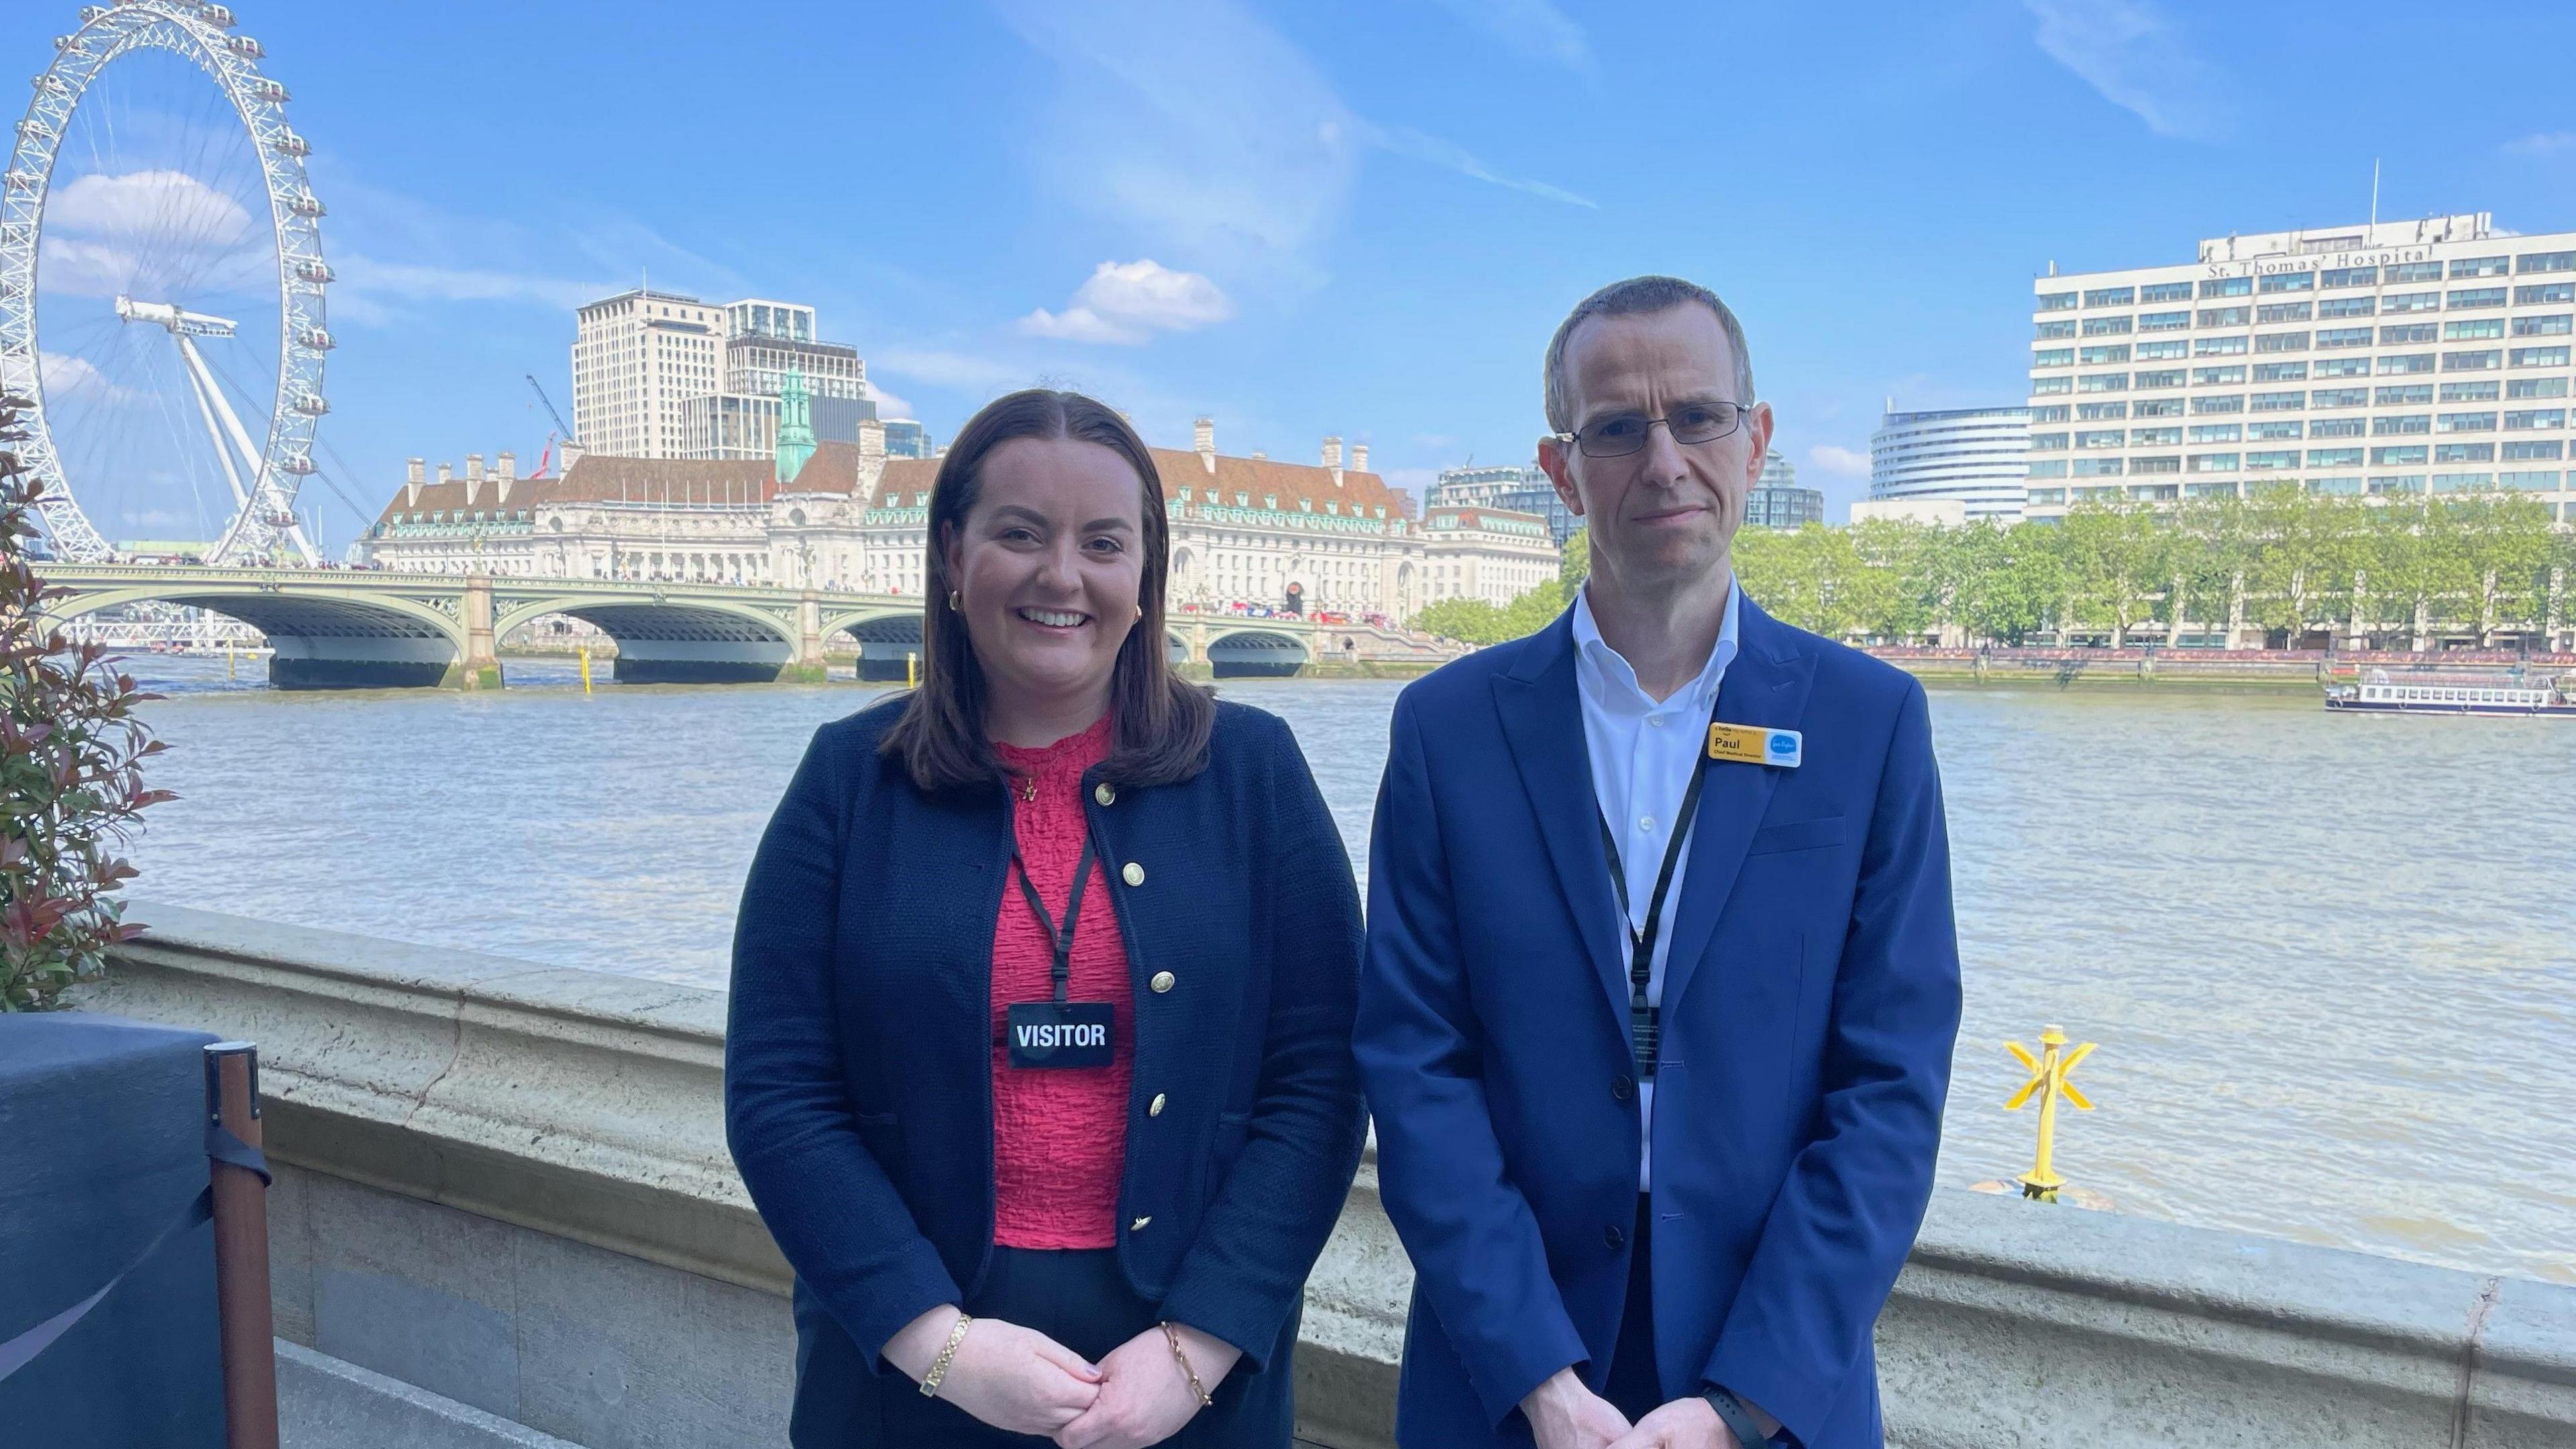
(1633,1388)
(1078,1298)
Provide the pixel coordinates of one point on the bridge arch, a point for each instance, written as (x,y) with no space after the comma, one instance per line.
(1258,653)
(701,641)
(321,638)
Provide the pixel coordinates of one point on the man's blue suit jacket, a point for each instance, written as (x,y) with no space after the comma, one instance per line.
(1810,1003)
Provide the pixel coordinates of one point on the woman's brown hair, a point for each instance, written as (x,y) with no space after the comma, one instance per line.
(1159,723)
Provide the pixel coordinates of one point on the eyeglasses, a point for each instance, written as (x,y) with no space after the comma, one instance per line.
(1620,434)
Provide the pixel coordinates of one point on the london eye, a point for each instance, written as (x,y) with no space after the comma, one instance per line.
(162,289)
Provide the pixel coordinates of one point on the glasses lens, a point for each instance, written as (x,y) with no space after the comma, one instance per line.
(1615,435)
(1703,422)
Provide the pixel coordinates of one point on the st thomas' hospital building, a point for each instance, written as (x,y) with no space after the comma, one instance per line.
(2386,361)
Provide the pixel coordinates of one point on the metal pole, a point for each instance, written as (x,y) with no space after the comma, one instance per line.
(241,1255)
(585,669)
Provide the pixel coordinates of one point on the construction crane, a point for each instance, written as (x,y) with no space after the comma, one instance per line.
(562,428)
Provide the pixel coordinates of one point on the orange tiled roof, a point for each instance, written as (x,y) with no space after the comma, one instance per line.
(1256,478)
(603,478)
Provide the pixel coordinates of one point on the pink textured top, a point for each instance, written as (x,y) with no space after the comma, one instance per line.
(1060,1134)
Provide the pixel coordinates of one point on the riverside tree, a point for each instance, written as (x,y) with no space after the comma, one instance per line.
(2395,572)
(71,772)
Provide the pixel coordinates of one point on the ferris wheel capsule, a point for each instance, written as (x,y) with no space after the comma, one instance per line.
(312,405)
(290,144)
(306,205)
(273,92)
(315,338)
(90,13)
(315,271)
(245,47)
(217,16)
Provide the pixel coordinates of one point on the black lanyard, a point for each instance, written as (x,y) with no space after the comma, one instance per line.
(1645,1020)
(1062,972)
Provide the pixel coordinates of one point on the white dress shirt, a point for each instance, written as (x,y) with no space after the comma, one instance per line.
(1643,752)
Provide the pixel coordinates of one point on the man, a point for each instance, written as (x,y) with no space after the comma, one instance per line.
(1661,982)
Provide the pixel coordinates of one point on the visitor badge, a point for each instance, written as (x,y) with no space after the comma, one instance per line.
(1060,1034)
(1754,745)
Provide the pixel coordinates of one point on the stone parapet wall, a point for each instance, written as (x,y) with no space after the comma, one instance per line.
(508,1185)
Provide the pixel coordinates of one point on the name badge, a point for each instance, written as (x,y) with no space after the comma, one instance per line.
(1754,745)
(1067,1034)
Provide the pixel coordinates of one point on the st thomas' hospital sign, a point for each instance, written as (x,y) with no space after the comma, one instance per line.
(2329,261)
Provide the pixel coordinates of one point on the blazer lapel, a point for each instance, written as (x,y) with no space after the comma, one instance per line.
(1766,685)
(1543,719)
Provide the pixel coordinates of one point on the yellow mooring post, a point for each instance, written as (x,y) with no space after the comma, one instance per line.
(911,670)
(585,669)
(2047,1082)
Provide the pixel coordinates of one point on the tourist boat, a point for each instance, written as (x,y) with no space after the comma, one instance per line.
(2505,694)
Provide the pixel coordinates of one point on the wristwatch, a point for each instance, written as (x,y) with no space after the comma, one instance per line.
(1739,1420)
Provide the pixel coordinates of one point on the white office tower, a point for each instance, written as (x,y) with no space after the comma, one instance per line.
(1978,458)
(637,359)
(2389,360)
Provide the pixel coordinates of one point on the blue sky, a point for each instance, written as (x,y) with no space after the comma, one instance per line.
(1333,216)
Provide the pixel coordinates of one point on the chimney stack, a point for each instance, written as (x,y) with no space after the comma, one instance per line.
(1203,441)
(412,481)
(1259,456)
(446,474)
(1333,453)
(505,471)
(473,477)
(871,441)
(1359,457)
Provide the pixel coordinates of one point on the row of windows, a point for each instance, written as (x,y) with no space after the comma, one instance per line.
(2338,309)
(2386,395)
(2274,460)
(2301,281)
(2387,365)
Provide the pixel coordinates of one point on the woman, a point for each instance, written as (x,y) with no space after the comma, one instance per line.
(1039,1067)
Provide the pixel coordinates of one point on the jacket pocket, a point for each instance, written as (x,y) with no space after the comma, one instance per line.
(1797,835)
(1233,1129)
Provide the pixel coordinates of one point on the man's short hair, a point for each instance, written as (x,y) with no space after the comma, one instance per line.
(1629,298)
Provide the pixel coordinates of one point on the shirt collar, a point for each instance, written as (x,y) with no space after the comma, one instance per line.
(1608,678)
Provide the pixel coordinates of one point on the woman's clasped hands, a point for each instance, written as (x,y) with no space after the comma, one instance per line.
(1020,1380)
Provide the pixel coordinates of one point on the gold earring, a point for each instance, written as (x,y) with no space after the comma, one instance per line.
(1140,613)
(952,602)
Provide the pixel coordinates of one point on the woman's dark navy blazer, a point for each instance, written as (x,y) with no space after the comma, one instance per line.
(858,1064)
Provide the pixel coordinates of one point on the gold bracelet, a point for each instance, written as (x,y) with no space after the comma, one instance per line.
(939,1366)
(1172,1336)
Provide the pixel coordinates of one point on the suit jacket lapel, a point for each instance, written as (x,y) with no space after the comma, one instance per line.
(1767,686)
(1542,717)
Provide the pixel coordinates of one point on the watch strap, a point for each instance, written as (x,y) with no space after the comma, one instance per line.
(1738,1419)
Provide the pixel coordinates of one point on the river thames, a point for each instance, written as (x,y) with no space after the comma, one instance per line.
(2330,960)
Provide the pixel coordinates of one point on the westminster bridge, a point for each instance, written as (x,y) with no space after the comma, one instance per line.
(374,629)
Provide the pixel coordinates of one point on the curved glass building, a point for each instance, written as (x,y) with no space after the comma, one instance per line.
(1979,456)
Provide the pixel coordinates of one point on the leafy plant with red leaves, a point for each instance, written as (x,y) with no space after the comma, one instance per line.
(71,771)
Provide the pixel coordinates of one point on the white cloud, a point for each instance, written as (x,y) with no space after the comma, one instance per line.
(72,267)
(170,202)
(2542,143)
(1128,302)
(1838,462)
(888,405)
(2137,58)
(69,377)
(1433,150)
(1533,28)
(374,280)
(1199,129)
